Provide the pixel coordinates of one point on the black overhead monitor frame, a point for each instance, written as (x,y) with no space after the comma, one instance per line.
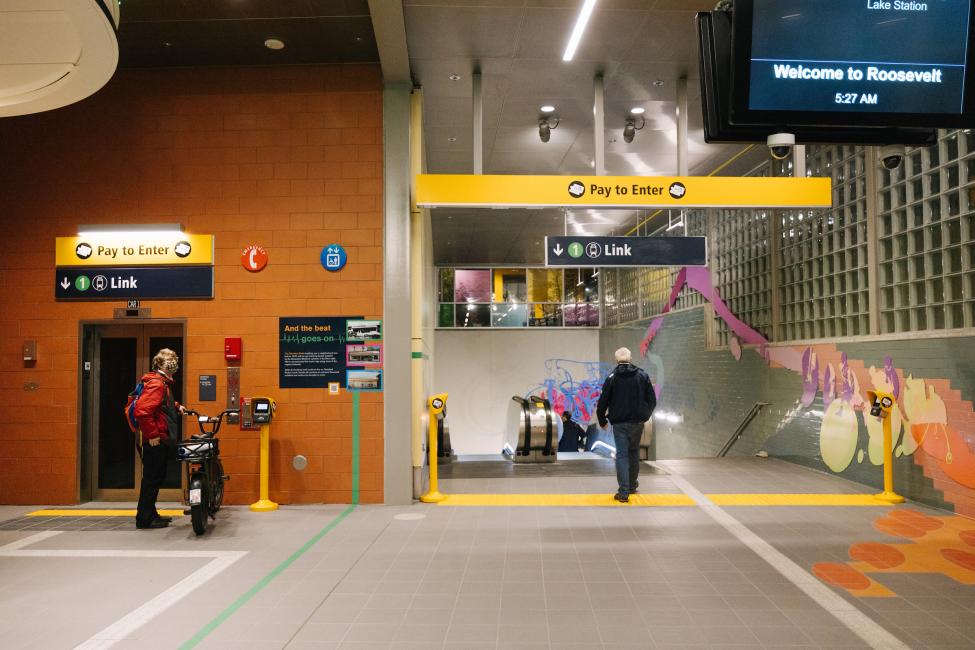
(714,48)
(845,101)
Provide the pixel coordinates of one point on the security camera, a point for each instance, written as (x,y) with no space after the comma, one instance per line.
(630,128)
(891,156)
(780,145)
(545,126)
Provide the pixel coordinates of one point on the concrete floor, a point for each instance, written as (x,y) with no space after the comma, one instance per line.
(427,576)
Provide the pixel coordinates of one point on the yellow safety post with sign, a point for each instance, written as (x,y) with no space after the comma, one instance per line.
(880,406)
(435,406)
(262,410)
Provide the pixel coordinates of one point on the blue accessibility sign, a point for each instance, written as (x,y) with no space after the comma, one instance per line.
(333,257)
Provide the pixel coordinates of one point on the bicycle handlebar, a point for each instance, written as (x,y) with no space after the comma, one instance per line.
(214,421)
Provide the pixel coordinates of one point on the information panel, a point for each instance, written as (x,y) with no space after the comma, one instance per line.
(142,282)
(859,56)
(626,251)
(312,351)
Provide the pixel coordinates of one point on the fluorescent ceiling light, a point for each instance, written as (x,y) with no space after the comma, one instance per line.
(581,22)
(547,108)
(129,228)
(638,110)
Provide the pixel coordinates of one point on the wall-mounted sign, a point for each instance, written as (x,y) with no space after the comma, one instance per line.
(465,190)
(208,388)
(134,249)
(333,257)
(113,283)
(254,258)
(311,352)
(626,251)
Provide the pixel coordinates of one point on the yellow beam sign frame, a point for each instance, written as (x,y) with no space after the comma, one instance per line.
(669,192)
(134,249)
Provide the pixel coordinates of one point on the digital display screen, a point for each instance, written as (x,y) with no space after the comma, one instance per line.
(261,407)
(859,56)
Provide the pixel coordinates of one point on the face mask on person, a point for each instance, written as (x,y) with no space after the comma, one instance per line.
(170,366)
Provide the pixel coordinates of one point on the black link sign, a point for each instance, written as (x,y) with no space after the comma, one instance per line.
(626,251)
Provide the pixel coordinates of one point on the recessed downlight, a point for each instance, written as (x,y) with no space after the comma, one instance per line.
(637,110)
(274,44)
(454,77)
(451,139)
(547,108)
(658,83)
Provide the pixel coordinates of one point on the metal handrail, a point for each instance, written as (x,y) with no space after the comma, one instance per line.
(741,428)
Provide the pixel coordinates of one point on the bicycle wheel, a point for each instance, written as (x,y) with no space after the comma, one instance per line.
(216,500)
(198,510)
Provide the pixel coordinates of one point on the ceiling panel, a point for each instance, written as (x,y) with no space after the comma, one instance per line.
(640,47)
(481,31)
(155,33)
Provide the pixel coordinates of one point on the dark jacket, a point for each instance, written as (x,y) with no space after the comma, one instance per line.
(573,437)
(156,410)
(627,395)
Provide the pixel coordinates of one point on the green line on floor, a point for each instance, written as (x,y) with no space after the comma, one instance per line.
(355,447)
(207,629)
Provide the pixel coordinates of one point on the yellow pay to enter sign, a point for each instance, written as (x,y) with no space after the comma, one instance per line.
(464,190)
(135,249)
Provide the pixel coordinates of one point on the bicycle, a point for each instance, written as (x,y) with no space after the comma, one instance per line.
(204,471)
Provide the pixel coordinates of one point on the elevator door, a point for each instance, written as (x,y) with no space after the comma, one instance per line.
(120,355)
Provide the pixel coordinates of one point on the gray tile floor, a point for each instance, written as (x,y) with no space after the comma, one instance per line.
(487,577)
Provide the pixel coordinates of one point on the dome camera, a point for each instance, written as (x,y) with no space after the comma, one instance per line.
(780,145)
(891,156)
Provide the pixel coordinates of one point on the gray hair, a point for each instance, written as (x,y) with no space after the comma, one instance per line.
(623,355)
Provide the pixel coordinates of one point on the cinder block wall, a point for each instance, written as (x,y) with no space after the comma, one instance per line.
(288,158)
(704,394)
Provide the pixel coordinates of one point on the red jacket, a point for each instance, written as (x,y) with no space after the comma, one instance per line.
(156,410)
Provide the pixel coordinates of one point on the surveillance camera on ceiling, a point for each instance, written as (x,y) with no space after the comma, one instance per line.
(891,156)
(780,145)
(545,126)
(629,131)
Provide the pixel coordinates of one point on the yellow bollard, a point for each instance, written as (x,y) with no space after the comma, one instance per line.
(881,403)
(435,406)
(263,408)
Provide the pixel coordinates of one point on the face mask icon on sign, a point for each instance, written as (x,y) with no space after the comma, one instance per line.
(183,249)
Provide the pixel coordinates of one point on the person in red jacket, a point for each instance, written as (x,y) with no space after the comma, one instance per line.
(158,415)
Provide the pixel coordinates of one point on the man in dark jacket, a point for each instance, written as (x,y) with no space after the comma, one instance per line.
(573,436)
(627,401)
(158,416)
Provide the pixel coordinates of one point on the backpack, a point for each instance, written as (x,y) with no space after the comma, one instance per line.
(129,409)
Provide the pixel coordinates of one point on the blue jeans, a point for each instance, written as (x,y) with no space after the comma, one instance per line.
(627,436)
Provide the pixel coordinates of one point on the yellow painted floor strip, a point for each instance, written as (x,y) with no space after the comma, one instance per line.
(68,512)
(569,500)
(796,500)
(564,500)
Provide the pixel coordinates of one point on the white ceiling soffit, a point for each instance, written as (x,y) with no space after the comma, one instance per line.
(54,52)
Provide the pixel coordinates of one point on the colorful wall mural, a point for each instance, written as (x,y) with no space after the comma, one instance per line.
(824,422)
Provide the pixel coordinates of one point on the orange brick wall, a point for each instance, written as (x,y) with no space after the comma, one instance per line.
(288,158)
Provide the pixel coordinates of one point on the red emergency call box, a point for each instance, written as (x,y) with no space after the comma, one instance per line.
(232,348)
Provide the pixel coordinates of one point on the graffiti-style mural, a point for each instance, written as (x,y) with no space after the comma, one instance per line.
(938,439)
(575,386)
(944,545)
(572,386)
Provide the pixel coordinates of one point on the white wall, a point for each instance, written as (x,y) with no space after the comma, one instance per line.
(482,369)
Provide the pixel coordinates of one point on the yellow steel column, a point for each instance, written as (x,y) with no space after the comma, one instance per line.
(264,504)
(417,263)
